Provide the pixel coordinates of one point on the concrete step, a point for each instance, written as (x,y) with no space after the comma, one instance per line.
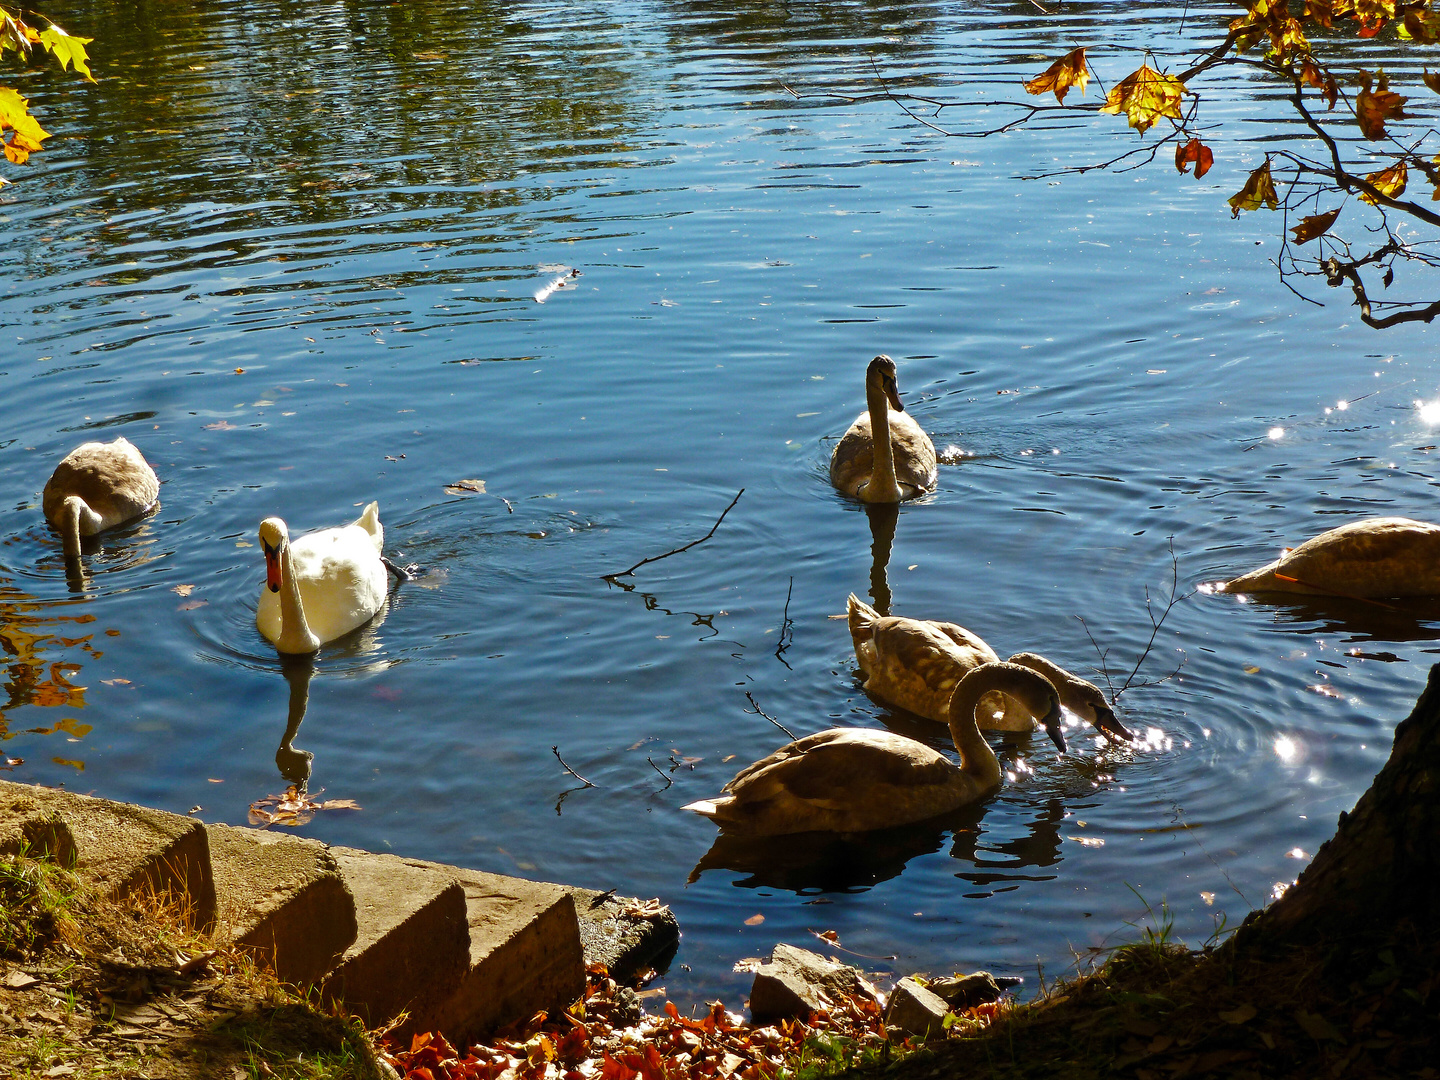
(412,944)
(282,899)
(120,849)
(525,955)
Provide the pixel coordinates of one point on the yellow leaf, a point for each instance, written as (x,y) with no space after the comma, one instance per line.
(1146,95)
(68,50)
(1419,26)
(1068,71)
(1373,109)
(1260,188)
(1389,182)
(16,155)
(1315,225)
(15,113)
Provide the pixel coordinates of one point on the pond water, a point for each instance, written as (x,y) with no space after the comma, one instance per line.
(310,255)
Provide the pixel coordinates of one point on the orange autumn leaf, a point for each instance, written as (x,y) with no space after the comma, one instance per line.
(1432,80)
(1068,71)
(1315,225)
(1259,189)
(1197,152)
(1388,182)
(1373,109)
(1146,95)
(1419,26)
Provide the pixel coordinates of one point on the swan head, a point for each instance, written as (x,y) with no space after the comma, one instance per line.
(1079,695)
(273,538)
(881,373)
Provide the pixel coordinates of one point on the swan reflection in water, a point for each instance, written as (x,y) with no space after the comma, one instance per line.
(1398,619)
(821,862)
(883,517)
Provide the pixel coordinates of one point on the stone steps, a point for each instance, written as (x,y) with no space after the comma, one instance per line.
(453,950)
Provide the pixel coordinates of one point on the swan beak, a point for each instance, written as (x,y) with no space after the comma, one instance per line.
(1109,726)
(893,393)
(1051,723)
(272,567)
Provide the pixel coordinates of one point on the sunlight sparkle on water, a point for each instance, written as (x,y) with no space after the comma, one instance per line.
(1276,433)
(1296,853)
(1286,749)
(1155,739)
(1429,411)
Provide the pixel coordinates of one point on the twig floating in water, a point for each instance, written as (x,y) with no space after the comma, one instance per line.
(662,772)
(677,551)
(767,716)
(556,751)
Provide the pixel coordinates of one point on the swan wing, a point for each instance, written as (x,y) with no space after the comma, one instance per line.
(341,579)
(915,464)
(853,460)
(916,664)
(843,780)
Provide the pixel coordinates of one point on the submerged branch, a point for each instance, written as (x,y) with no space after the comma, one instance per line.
(656,558)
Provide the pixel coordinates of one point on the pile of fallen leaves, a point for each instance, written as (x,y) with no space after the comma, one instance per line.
(606,1037)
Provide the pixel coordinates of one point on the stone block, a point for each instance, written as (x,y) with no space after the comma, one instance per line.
(914,1009)
(626,944)
(120,849)
(967,991)
(412,944)
(39,833)
(525,955)
(283,900)
(797,982)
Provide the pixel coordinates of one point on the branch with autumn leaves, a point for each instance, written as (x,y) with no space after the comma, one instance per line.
(1148,96)
(26,133)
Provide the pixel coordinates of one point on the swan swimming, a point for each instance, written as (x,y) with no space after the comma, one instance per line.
(916,663)
(1373,557)
(321,585)
(96,487)
(884,457)
(858,779)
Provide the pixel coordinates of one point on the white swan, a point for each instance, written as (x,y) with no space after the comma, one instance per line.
(916,664)
(884,457)
(96,487)
(857,779)
(321,586)
(1374,557)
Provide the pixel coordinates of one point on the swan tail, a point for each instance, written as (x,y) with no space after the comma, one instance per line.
(861,617)
(706,807)
(370,522)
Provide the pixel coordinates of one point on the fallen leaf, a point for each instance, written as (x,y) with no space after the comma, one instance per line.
(466,487)
(220,425)
(340,804)
(1317,1027)
(19,980)
(1242,1015)
(1252,670)
(645,909)
(191,605)
(755,920)
(1326,690)
(749,963)
(116,682)
(1068,71)
(183,590)
(1315,225)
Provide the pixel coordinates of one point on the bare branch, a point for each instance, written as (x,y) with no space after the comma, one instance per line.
(677,551)
(767,716)
(556,751)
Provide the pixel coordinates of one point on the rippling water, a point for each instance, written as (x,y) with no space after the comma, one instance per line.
(297,253)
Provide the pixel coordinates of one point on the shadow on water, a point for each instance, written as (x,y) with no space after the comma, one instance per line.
(821,862)
(883,517)
(1399,619)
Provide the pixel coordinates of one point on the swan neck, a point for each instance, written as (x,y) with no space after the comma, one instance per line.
(976,757)
(68,522)
(295,633)
(882,486)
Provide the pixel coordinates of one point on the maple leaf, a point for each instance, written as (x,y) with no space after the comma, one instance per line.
(1197,152)
(1068,71)
(68,50)
(1418,26)
(1388,182)
(15,113)
(1146,95)
(1373,109)
(1315,225)
(1432,81)
(1258,189)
